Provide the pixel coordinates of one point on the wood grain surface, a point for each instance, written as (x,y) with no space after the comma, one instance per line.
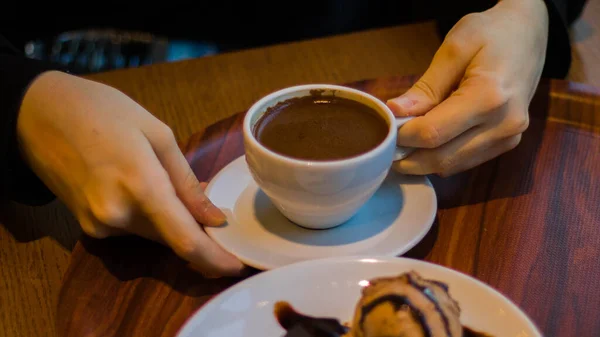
(525,223)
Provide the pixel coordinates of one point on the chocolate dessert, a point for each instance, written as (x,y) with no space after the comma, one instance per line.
(403,306)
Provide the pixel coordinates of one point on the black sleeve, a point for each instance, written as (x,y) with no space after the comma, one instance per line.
(561,15)
(17,181)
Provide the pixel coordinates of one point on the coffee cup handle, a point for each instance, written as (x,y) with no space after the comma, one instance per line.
(402,151)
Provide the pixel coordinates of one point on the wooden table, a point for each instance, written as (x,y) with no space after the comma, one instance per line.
(35,243)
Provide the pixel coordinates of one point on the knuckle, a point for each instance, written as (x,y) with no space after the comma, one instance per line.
(512,142)
(110,213)
(148,183)
(429,90)
(516,125)
(454,47)
(185,247)
(164,135)
(93,230)
(494,93)
(430,136)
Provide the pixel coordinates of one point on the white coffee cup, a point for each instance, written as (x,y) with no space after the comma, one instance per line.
(320,194)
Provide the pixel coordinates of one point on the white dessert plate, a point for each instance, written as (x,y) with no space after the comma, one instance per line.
(331,288)
(393,221)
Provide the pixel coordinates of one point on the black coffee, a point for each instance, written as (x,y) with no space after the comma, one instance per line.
(320,127)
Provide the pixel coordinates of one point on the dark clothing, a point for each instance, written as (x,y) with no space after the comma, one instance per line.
(250,25)
(17,181)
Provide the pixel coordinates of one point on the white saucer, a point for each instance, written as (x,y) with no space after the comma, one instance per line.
(332,287)
(393,221)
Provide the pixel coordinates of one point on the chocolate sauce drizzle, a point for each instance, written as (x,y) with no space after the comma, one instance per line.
(429,294)
(298,324)
(398,302)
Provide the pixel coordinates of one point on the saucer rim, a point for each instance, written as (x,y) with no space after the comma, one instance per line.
(267,266)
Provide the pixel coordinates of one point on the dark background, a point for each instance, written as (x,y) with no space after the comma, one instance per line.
(228,24)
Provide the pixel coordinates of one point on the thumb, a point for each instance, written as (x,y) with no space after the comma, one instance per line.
(441,78)
(187,186)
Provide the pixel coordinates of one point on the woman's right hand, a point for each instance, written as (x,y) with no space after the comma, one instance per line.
(118,168)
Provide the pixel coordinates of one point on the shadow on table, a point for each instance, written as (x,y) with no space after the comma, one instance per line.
(130,257)
(121,281)
(507,176)
(27,223)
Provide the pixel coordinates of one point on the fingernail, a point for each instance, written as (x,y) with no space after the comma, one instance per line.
(401,105)
(216,216)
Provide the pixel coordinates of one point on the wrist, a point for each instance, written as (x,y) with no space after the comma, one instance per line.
(531,9)
(530,13)
(44,92)
(39,100)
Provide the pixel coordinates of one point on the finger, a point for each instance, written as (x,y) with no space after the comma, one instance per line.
(469,162)
(175,224)
(467,151)
(477,99)
(142,226)
(443,75)
(187,186)
(98,230)
(136,224)
(203,186)
(180,231)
